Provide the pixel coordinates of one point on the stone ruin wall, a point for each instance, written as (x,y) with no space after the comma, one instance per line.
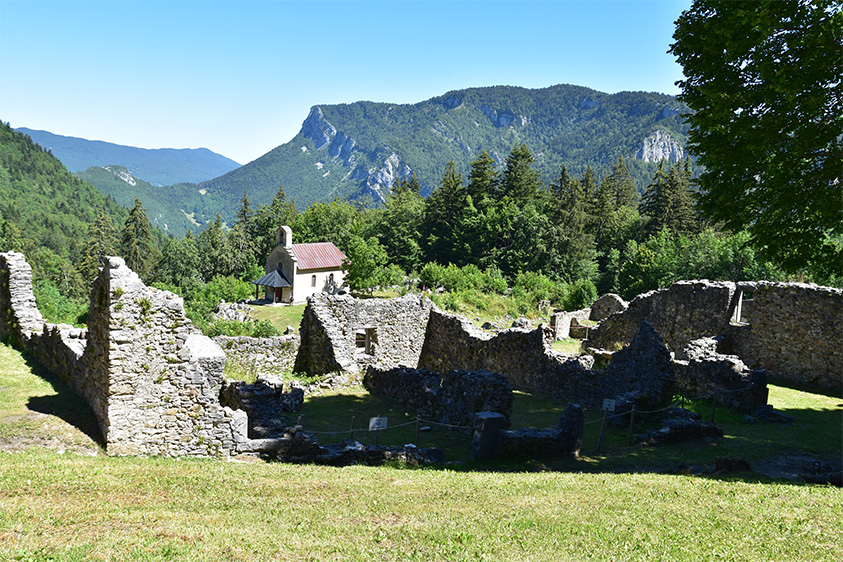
(152,380)
(794,331)
(526,358)
(330,325)
(273,355)
(685,311)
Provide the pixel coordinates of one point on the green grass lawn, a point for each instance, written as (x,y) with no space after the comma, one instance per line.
(74,506)
(280,316)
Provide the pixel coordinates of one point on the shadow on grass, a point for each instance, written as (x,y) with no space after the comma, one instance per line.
(816,432)
(64,404)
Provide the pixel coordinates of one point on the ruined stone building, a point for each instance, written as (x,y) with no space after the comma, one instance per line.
(154,381)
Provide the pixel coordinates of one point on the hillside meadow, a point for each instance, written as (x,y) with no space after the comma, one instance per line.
(62,499)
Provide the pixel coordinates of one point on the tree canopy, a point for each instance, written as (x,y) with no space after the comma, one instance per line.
(763,79)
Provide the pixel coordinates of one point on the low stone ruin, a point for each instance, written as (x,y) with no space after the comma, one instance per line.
(451,398)
(265,402)
(701,370)
(233,312)
(678,425)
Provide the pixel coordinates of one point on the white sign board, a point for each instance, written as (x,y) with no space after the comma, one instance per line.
(609,404)
(377,424)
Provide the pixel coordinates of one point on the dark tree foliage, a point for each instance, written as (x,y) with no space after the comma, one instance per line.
(102,242)
(763,79)
(136,241)
(267,219)
(240,238)
(669,202)
(399,224)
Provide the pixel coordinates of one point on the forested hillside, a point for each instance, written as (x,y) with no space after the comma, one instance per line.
(64,225)
(160,166)
(357,151)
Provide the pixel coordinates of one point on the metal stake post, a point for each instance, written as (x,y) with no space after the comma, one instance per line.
(602,430)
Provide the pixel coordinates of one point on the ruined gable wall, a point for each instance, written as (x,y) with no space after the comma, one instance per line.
(795,332)
(152,380)
(683,312)
(330,322)
(160,376)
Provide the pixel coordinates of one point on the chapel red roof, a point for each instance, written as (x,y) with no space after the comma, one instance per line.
(318,255)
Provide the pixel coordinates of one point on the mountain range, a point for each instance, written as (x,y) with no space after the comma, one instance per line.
(357,150)
(158,167)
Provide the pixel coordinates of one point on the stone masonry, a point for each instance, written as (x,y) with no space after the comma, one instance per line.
(794,330)
(344,334)
(152,380)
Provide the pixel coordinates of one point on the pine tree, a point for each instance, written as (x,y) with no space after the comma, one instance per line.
(483,180)
(520,182)
(668,202)
(136,242)
(102,242)
(240,238)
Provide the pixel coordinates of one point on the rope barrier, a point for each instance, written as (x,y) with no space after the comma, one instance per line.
(598,420)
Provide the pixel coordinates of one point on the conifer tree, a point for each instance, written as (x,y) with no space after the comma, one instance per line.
(669,202)
(267,219)
(240,238)
(101,243)
(520,181)
(136,242)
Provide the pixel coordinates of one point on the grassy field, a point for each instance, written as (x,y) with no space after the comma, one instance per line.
(62,499)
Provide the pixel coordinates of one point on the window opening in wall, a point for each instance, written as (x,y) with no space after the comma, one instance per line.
(743,307)
(365,340)
(312,280)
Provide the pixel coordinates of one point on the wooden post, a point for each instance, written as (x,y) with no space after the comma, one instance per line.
(418,422)
(603,429)
(352,428)
(631,423)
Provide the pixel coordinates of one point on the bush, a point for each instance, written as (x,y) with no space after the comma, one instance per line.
(57,308)
(494,281)
(431,275)
(261,329)
(582,294)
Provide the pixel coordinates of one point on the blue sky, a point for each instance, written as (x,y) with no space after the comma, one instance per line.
(240,77)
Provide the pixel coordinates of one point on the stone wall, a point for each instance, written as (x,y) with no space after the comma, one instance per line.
(333,326)
(528,361)
(795,332)
(275,355)
(152,379)
(685,311)
(560,322)
(792,330)
(452,397)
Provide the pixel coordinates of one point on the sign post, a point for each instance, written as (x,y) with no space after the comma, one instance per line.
(377,424)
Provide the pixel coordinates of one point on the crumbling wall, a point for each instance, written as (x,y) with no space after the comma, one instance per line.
(792,330)
(274,355)
(526,358)
(795,332)
(332,325)
(452,397)
(685,311)
(152,380)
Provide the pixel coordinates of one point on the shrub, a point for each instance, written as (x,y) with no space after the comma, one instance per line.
(582,294)
(431,275)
